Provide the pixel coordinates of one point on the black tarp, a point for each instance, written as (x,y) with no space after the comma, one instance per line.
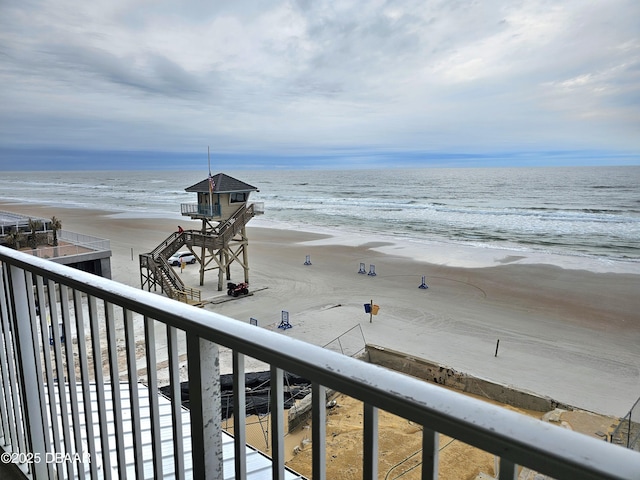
(258,392)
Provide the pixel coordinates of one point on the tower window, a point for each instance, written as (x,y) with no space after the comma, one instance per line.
(238,197)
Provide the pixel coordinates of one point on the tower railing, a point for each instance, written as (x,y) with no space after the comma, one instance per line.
(202,209)
(107,337)
(258,208)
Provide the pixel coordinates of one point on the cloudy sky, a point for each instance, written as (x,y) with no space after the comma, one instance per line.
(356,82)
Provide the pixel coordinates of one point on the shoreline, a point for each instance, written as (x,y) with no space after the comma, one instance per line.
(474,256)
(570,334)
(431,250)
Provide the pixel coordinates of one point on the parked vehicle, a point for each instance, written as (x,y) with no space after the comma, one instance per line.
(177,258)
(236,289)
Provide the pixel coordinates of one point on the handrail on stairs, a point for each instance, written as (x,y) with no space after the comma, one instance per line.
(164,266)
(169,246)
(171,283)
(225,231)
(236,222)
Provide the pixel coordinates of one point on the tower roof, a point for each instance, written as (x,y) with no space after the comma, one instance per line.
(222,184)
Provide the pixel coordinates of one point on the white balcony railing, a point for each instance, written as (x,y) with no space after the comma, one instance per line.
(106,336)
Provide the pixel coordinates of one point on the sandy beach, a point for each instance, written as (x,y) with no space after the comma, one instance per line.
(568,333)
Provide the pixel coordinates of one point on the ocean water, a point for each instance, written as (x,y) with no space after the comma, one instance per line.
(581,212)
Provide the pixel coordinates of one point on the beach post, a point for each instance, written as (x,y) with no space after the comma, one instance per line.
(371,309)
(308,260)
(423,284)
(372,270)
(362,269)
(284,322)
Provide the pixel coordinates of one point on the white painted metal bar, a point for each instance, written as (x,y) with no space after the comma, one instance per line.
(134,398)
(116,402)
(26,358)
(370,442)
(45,370)
(176,402)
(56,334)
(16,433)
(430,454)
(5,348)
(239,416)
(211,407)
(277,423)
(152,384)
(83,365)
(41,346)
(45,351)
(319,431)
(72,381)
(96,352)
(205,406)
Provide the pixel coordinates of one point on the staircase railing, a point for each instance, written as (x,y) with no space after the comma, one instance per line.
(174,282)
(171,283)
(169,246)
(231,227)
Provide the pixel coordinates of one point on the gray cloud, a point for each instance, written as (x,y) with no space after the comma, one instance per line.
(308,76)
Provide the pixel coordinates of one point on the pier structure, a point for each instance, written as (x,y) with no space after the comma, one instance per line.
(224,210)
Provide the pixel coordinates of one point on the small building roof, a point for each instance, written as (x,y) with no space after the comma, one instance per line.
(223,184)
(259,466)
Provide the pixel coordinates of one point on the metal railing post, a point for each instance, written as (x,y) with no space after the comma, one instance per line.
(430,454)
(205,405)
(370,442)
(239,415)
(276,406)
(508,470)
(319,430)
(26,357)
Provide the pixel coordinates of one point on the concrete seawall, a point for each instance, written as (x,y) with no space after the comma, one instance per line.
(442,375)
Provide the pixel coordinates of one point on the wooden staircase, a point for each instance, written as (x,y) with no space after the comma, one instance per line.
(154,266)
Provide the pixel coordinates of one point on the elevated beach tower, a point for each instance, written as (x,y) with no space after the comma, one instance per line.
(223,208)
(224,211)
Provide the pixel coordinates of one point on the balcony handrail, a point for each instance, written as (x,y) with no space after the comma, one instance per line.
(515,438)
(88,241)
